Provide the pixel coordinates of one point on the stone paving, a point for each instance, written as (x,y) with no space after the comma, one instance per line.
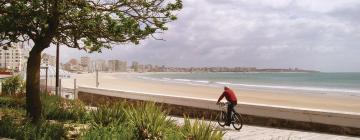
(265,133)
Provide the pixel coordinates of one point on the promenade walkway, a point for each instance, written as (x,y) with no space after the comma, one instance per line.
(264,133)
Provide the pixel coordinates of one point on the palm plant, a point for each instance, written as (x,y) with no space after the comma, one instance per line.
(150,121)
(200,130)
(107,114)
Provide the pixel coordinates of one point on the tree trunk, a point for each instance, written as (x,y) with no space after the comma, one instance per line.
(33,103)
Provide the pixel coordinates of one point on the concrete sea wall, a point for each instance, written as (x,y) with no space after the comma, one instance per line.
(343,123)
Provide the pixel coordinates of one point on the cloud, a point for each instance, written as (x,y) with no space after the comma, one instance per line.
(309,34)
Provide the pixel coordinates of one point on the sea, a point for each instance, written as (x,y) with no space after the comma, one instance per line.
(314,82)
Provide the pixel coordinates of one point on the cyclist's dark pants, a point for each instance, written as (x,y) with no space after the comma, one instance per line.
(229,111)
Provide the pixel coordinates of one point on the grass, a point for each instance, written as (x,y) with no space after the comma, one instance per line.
(116,121)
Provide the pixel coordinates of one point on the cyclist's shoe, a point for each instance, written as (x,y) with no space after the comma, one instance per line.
(227,124)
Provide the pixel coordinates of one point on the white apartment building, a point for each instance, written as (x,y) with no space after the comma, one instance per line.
(85,61)
(48,59)
(117,66)
(14,58)
(99,65)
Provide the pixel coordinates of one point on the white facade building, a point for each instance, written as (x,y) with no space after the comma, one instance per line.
(117,66)
(85,62)
(48,59)
(14,58)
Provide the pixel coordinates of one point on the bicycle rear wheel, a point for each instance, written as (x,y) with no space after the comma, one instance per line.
(238,121)
(221,118)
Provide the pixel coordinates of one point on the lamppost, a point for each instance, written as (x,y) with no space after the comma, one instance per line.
(57,88)
(5,57)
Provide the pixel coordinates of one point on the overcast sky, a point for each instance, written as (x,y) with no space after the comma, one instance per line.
(310,34)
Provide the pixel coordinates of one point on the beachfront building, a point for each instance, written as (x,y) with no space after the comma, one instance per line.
(73,66)
(100,65)
(85,62)
(48,59)
(135,66)
(14,58)
(117,66)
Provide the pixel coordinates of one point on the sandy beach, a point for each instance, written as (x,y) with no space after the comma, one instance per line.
(128,81)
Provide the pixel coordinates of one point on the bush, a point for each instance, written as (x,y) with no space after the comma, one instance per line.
(150,121)
(27,131)
(115,130)
(56,108)
(8,127)
(43,131)
(106,114)
(200,130)
(13,85)
(9,101)
(18,113)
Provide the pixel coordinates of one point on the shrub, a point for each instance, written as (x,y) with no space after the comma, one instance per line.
(42,131)
(8,127)
(27,131)
(115,130)
(200,130)
(107,114)
(150,121)
(9,101)
(18,113)
(56,108)
(13,85)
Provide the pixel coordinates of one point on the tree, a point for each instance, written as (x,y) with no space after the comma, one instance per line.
(88,25)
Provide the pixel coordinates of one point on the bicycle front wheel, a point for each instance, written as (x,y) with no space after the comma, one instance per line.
(238,121)
(221,118)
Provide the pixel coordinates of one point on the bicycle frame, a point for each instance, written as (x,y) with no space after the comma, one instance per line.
(223,107)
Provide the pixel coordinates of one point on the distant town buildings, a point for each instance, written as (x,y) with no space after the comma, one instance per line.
(14,58)
(117,66)
(86,65)
(100,65)
(48,59)
(85,62)
(135,66)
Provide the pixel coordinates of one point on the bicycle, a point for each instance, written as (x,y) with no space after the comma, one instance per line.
(236,119)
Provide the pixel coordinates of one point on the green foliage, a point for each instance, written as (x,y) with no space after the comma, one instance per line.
(117,121)
(11,128)
(8,127)
(114,130)
(200,130)
(9,101)
(56,108)
(96,25)
(82,24)
(150,121)
(18,113)
(13,85)
(108,114)
(42,131)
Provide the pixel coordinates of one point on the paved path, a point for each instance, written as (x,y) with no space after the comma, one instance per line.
(264,133)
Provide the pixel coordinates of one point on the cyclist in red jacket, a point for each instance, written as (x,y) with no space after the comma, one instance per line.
(231,98)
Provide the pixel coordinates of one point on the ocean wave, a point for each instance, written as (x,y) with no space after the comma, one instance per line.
(292,88)
(222,83)
(201,81)
(183,80)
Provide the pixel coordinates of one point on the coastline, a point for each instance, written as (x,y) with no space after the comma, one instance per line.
(129,81)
